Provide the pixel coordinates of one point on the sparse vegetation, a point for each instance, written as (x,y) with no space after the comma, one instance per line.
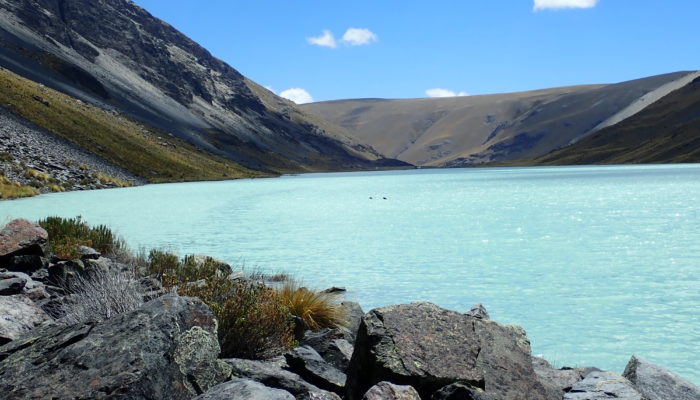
(106,179)
(15,190)
(114,137)
(255,320)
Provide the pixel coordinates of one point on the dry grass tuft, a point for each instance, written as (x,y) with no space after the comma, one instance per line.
(318,310)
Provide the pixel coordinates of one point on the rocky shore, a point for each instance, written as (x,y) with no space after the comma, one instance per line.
(168,349)
(25,147)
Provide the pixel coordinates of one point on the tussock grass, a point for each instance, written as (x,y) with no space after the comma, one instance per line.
(14,190)
(107,179)
(318,310)
(145,152)
(99,294)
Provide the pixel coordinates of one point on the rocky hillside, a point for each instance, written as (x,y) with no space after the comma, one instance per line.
(139,341)
(115,55)
(471,130)
(666,131)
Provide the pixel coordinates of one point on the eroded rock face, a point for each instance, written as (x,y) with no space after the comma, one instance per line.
(428,347)
(389,391)
(599,385)
(658,383)
(21,237)
(165,349)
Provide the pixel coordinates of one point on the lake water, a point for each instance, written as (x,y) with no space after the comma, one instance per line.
(596,263)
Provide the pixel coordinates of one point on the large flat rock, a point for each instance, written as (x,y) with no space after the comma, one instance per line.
(18,315)
(428,347)
(600,385)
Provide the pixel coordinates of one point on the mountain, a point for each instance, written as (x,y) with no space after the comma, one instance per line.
(115,55)
(471,130)
(666,131)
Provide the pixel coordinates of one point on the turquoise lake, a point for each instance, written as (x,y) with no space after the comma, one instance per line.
(596,263)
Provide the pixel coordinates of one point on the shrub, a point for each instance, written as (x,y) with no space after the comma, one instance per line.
(253,321)
(99,294)
(65,234)
(318,309)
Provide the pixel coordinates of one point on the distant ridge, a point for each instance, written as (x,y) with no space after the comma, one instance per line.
(668,131)
(499,128)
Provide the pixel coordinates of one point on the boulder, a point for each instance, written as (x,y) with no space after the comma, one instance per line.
(165,349)
(600,385)
(334,290)
(10,286)
(460,391)
(28,263)
(272,373)
(244,389)
(22,237)
(558,381)
(306,362)
(88,253)
(657,383)
(354,314)
(427,347)
(389,391)
(18,315)
(331,345)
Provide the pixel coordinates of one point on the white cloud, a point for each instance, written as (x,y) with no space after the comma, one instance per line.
(270,89)
(297,95)
(359,36)
(439,92)
(325,40)
(556,4)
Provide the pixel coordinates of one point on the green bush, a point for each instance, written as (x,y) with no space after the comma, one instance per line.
(253,321)
(66,234)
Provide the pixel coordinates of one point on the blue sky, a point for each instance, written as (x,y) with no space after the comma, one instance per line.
(405,49)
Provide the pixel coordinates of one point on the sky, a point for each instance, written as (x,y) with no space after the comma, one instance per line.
(317,50)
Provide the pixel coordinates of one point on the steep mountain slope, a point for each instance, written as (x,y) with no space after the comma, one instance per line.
(463,131)
(666,131)
(114,54)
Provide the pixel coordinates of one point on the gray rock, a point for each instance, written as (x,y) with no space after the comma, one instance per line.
(658,383)
(22,237)
(600,385)
(272,373)
(88,253)
(428,347)
(460,391)
(18,315)
(331,345)
(478,311)
(354,317)
(165,349)
(306,362)
(244,389)
(558,381)
(12,286)
(389,391)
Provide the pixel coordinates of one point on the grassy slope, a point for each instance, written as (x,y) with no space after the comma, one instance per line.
(143,151)
(668,131)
